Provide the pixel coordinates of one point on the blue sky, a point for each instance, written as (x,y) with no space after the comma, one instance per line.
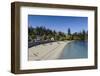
(59,23)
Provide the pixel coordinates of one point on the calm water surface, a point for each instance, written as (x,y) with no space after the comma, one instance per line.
(75,50)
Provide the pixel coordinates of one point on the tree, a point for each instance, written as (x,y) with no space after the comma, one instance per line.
(84,34)
(69,31)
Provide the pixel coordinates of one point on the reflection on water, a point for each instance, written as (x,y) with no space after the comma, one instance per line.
(75,50)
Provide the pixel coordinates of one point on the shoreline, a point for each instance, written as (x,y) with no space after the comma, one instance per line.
(49,51)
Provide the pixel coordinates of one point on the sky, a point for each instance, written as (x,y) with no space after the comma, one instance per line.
(59,23)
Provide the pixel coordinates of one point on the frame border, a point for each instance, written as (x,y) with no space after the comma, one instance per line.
(15,37)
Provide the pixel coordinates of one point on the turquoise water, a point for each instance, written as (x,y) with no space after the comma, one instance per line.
(75,50)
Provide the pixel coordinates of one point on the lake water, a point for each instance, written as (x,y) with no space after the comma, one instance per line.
(75,50)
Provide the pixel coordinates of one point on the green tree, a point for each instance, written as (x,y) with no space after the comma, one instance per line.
(69,31)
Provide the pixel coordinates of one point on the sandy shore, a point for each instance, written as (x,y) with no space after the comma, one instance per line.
(47,51)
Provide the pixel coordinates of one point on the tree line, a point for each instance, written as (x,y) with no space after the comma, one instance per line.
(45,34)
(48,34)
(82,35)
